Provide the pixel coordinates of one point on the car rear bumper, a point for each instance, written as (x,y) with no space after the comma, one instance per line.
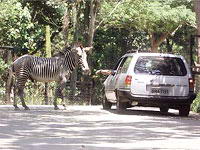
(156,100)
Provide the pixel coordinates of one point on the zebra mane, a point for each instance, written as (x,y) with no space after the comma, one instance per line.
(63,52)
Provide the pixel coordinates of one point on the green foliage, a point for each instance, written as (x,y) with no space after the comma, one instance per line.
(149,16)
(48,12)
(22,23)
(3,66)
(16,27)
(196,104)
(112,43)
(34,93)
(159,19)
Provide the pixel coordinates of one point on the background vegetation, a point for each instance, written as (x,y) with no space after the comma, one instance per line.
(119,26)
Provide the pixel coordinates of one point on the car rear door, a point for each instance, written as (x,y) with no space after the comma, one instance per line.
(160,76)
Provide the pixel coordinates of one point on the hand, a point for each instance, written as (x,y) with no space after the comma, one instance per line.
(104,72)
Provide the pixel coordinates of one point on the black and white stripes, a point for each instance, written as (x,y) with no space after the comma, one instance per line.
(48,69)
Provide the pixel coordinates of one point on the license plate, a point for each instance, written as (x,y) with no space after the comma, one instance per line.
(160,91)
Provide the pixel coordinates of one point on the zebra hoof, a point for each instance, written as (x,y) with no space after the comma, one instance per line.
(26,108)
(56,108)
(64,105)
(17,108)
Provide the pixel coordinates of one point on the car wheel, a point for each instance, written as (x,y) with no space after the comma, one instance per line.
(164,109)
(106,104)
(184,110)
(120,105)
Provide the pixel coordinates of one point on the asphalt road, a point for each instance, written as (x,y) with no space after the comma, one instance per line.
(91,128)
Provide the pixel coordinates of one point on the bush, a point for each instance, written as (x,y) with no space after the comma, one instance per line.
(3,67)
(196,104)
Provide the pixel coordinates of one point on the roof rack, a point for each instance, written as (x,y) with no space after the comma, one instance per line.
(137,51)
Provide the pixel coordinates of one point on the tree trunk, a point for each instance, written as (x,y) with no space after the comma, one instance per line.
(90,18)
(65,27)
(9,79)
(156,40)
(48,54)
(93,11)
(197,11)
(154,45)
(169,46)
(75,19)
(48,41)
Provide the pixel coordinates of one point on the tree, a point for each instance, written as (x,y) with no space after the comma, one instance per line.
(46,13)
(79,23)
(15,25)
(197,11)
(15,30)
(159,19)
(48,54)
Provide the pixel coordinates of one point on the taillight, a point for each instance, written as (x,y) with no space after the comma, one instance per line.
(191,85)
(128,80)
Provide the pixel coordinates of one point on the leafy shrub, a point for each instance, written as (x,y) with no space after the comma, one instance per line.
(3,67)
(196,104)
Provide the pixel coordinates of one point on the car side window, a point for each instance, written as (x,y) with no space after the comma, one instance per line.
(116,66)
(124,64)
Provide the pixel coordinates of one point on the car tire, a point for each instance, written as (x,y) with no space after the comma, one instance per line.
(164,109)
(120,105)
(106,104)
(184,110)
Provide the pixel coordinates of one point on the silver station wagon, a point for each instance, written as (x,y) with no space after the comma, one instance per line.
(150,79)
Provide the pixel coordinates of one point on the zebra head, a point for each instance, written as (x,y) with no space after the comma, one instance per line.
(82,58)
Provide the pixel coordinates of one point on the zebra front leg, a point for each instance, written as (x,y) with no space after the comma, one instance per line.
(21,95)
(59,94)
(62,86)
(55,98)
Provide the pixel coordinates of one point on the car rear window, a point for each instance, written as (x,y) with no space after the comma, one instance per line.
(170,66)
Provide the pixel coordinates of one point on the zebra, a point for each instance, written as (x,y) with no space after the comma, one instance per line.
(56,68)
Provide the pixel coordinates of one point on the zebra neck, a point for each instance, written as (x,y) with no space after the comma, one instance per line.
(70,61)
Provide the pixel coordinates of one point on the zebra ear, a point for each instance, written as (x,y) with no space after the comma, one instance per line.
(87,49)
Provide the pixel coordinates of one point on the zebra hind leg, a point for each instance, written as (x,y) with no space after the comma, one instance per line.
(14,99)
(62,86)
(21,95)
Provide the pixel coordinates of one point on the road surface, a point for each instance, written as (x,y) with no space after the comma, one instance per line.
(91,128)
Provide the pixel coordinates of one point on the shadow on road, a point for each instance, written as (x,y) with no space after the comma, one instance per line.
(155,113)
(91,128)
